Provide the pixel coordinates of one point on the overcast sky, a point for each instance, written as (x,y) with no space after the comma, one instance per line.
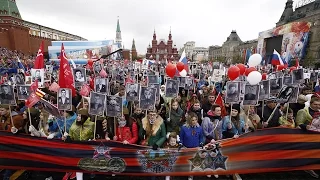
(207,22)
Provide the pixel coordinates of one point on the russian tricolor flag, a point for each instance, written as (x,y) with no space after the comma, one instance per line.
(276,59)
(184,60)
(20,65)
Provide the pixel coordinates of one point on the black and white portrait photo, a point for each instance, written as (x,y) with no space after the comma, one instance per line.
(233,92)
(97,104)
(153,79)
(147,98)
(182,81)
(287,80)
(79,75)
(251,95)
(114,106)
(157,88)
(64,99)
(101,85)
(23,92)
(132,92)
(49,69)
(189,83)
(275,85)
(38,74)
(264,91)
(137,67)
(313,76)
(162,71)
(298,76)
(7,95)
(172,88)
(19,78)
(97,67)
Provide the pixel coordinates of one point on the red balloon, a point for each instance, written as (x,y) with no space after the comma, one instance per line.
(249,70)
(264,76)
(90,62)
(180,66)
(292,68)
(242,68)
(171,70)
(233,73)
(280,67)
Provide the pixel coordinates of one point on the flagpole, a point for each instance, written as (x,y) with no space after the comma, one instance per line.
(95,127)
(29,116)
(65,121)
(12,123)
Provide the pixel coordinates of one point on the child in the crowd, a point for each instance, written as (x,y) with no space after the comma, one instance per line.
(289,121)
(171,143)
(174,117)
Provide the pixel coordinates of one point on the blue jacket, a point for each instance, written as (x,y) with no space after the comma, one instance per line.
(235,130)
(191,137)
(59,123)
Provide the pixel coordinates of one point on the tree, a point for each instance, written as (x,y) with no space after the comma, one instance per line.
(237,59)
(308,61)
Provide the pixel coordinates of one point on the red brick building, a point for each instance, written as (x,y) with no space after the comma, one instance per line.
(161,50)
(17,34)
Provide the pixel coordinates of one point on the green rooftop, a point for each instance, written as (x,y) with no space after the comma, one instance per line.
(9,8)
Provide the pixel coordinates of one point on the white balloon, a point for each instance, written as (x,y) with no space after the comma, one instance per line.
(254,60)
(183,73)
(254,78)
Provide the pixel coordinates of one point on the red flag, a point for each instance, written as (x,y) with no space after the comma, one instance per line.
(219,101)
(66,79)
(39,62)
(103,73)
(34,86)
(32,100)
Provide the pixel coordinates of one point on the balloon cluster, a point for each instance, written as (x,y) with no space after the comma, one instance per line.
(253,76)
(171,69)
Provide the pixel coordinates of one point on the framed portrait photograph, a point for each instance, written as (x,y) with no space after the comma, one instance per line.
(101,85)
(294,96)
(50,108)
(264,92)
(49,69)
(97,104)
(287,80)
(28,80)
(97,67)
(23,92)
(162,71)
(298,76)
(275,85)
(153,79)
(251,95)
(182,81)
(147,98)
(19,79)
(314,76)
(172,88)
(189,83)
(114,106)
(7,95)
(38,74)
(132,91)
(80,77)
(64,99)
(157,88)
(233,92)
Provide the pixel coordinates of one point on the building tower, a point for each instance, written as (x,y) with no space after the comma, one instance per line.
(9,8)
(154,42)
(118,34)
(287,13)
(134,53)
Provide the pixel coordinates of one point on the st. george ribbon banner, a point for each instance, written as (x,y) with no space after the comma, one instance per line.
(268,150)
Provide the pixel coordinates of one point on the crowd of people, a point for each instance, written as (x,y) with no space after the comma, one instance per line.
(192,119)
